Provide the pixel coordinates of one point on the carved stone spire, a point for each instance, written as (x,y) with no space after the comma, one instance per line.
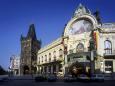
(97,15)
(31,32)
(81,10)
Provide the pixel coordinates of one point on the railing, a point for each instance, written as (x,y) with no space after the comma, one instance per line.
(107,54)
(57,58)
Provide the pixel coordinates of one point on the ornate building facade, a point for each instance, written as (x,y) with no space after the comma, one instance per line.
(29,48)
(87,46)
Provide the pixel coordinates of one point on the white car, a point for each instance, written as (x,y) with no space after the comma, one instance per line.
(97,77)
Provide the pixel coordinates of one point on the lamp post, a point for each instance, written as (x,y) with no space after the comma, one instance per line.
(92,49)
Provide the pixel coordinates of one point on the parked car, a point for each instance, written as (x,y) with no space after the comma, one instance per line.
(40,78)
(52,78)
(97,77)
(60,75)
(83,77)
(69,78)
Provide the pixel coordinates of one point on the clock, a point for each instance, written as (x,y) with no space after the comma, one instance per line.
(80,26)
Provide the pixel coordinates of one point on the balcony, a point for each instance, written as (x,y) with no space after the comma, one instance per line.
(109,52)
(109,55)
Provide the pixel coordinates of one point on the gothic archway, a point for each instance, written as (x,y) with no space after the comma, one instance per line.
(25,69)
(76,68)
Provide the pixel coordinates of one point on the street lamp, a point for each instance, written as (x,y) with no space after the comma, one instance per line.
(92,49)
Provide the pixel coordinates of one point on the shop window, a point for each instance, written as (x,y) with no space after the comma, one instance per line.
(109,66)
(49,69)
(108,47)
(54,68)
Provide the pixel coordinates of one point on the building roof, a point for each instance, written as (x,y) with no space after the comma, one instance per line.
(52,44)
(107,27)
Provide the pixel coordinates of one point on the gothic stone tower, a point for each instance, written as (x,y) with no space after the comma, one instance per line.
(29,48)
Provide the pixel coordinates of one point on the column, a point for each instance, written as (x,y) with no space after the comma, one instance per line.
(113,69)
(65,65)
(113,65)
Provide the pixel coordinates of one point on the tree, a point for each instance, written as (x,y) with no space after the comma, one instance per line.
(2,71)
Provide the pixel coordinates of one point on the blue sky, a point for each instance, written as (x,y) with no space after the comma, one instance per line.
(49,17)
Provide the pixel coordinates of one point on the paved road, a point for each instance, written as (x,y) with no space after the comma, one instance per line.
(29,82)
(33,83)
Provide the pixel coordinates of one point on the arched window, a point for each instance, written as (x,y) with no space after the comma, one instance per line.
(49,57)
(39,60)
(60,53)
(80,47)
(42,59)
(45,58)
(54,55)
(108,47)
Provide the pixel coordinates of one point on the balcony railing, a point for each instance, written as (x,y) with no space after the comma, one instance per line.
(109,54)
